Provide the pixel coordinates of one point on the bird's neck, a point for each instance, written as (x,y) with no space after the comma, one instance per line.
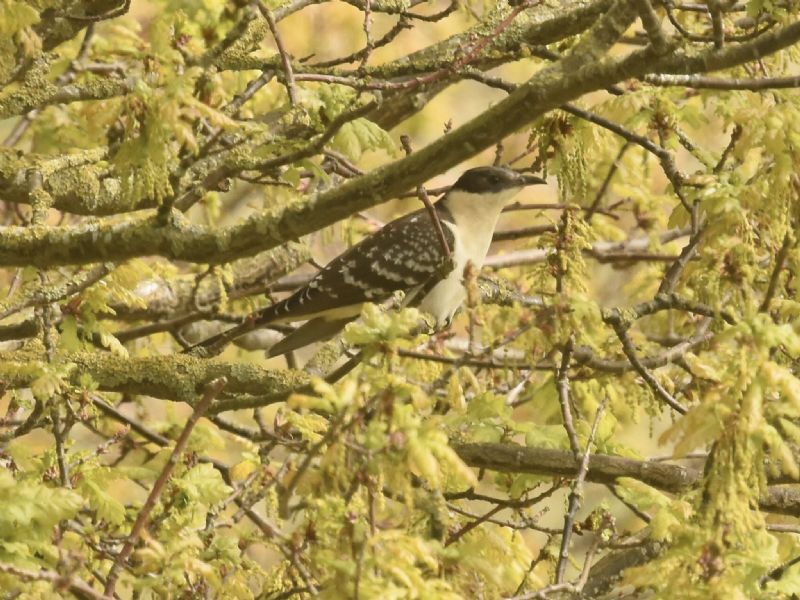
(474,218)
(474,211)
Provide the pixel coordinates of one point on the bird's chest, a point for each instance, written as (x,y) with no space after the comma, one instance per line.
(470,246)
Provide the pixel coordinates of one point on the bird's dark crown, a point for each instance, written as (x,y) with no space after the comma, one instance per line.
(487,180)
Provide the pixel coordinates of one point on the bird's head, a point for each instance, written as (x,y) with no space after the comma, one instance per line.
(492,185)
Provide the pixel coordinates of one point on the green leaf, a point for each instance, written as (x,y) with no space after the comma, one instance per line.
(361,135)
(69,339)
(641,495)
(101,501)
(378,325)
(47,385)
(29,511)
(546,436)
(204,484)
(16,16)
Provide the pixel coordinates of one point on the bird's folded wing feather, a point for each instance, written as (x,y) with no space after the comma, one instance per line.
(405,254)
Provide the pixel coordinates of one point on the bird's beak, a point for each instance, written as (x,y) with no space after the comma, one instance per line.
(527,180)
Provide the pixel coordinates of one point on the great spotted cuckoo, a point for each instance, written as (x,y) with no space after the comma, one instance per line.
(407,254)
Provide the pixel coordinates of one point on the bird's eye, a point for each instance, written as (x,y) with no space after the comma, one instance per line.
(494,179)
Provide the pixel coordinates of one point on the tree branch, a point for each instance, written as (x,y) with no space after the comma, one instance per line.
(147,236)
(58,581)
(720,83)
(603,468)
(177,377)
(213,388)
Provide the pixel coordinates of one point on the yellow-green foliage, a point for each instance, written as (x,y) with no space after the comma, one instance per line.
(30,511)
(359,488)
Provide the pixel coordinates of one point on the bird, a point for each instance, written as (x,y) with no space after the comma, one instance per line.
(407,254)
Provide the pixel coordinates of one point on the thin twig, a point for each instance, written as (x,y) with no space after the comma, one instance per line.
(20,127)
(544,592)
(212,391)
(522,232)
(614,319)
(576,496)
(518,525)
(285,59)
(716,23)
(665,157)
(497,508)
(587,564)
(678,26)
(562,385)
(49,295)
(780,261)
(468,361)
(473,524)
(703,8)
(631,249)
(469,55)
(77,587)
(368,47)
(270,531)
(735,135)
(59,432)
(159,439)
(387,38)
(561,240)
(318,143)
(783,528)
(631,507)
(68,76)
(437,222)
(336,426)
(676,268)
(249,91)
(593,208)
(778,572)
(423,195)
(29,424)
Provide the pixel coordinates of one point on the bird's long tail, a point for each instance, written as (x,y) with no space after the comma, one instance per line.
(315,330)
(216,343)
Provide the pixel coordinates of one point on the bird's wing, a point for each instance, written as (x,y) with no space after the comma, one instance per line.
(405,254)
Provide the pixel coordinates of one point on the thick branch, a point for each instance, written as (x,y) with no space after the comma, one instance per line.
(177,296)
(178,377)
(511,458)
(38,96)
(551,87)
(730,56)
(92,191)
